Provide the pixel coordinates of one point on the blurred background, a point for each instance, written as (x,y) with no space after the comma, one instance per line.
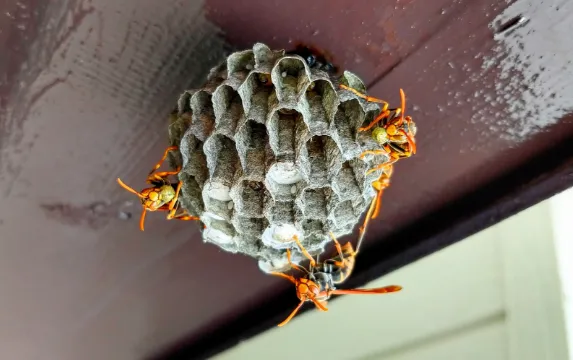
(85,90)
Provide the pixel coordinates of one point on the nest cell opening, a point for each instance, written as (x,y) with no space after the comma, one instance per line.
(284,129)
(280,212)
(289,76)
(178,126)
(280,236)
(190,196)
(319,160)
(343,215)
(349,117)
(220,209)
(220,233)
(226,158)
(222,161)
(252,140)
(319,101)
(252,197)
(284,172)
(255,92)
(353,81)
(194,160)
(312,226)
(345,184)
(314,237)
(228,109)
(250,227)
(184,103)
(313,203)
(279,263)
(203,121)
(240,64)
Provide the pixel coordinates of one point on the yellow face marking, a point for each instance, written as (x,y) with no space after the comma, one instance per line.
(392,130)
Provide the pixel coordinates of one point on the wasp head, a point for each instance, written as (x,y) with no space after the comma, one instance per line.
(158,196)
(306,289)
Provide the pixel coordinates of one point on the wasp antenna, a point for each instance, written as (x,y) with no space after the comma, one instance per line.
(303,250)
(292,314)
(142,219)
(319,305)
(383,290)
(123,185)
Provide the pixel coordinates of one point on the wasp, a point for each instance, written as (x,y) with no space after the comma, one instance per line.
(315,58)
(163,195)
(319,281)
(394,132)
(392,129)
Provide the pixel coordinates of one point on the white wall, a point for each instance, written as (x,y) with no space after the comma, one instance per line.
(562,211)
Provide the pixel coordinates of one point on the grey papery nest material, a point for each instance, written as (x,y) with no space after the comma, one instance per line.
(268,157)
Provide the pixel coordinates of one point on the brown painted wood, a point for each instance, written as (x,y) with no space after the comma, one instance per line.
(84,92)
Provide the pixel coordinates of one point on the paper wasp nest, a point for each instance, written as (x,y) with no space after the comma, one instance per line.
(269,148)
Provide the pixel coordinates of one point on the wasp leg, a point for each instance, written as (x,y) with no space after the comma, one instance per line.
(293,265)
(383,166)
(305,253)
(160,176)
(380,185)
(158,165)
(176,197)
(339,250)
(174,205)
(396,152)
(366,97)
(182,216)
(173,209)
(397,112)
(373,152)
(378,118)
(378,204)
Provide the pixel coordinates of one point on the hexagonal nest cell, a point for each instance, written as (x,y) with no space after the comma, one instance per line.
(269,148)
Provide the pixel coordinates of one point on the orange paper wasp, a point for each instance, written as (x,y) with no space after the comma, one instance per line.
(318,282)
(395,133)
(163,195)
